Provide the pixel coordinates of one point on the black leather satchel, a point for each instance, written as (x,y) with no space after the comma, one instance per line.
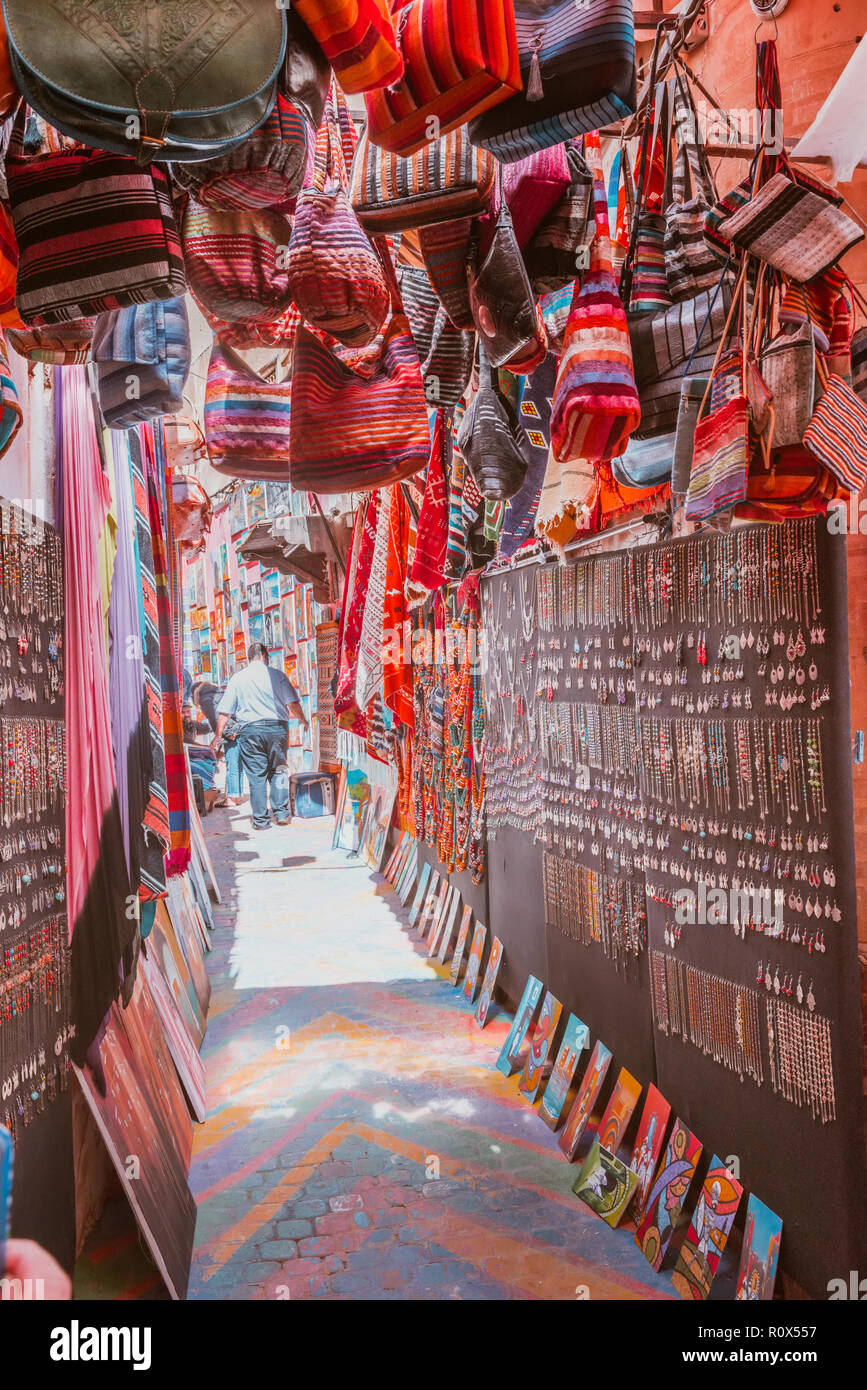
(501,299)
(160,79)
(491,439)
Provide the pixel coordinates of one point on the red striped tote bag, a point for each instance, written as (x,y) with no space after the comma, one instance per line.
(837,433)
(595,406)
(460,57)
(357,37)
(246,419)
(350,432)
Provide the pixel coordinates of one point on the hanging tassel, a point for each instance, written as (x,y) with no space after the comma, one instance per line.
(534,77)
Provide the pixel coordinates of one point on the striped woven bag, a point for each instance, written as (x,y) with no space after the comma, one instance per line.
(690,265)
(265,171)
(236,262)
(58,345)
(721,444)
(837,433)
(595,407)
(859,364)
(355,433)
(335,276)
(460,59)
(448,179)
(246,419)
(9,315)
(142,357)
(95,232)
(10,408)
(357,37)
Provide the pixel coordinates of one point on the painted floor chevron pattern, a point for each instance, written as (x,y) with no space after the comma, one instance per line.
(359,1142)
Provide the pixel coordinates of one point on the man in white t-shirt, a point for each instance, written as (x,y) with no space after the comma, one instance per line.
(262,701)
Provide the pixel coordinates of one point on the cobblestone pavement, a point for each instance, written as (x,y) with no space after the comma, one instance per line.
(359,1141)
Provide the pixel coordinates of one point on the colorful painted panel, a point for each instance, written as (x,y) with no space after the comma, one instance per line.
(507,1061)
(575,1039)
(605,1184)
(458,957)
(668,1193)
(474,964)
(443,910)
(434,905)
(706,1239)
(591,1081)
(419,894)
(618,1111)
(449,928)
(648,1145)
(540,1045)
(759,1254)
(408,877)
(394,859)
(426,914)
(489,982)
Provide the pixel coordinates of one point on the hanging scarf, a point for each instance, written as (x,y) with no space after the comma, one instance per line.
(456,540)
(369,677)
(534,415)
(433,523)
(349,716)
(177,783)
(104,934)
(397,652)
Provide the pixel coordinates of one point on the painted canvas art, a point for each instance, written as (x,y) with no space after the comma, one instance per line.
(449,928)
(507,1062)
(257,505)
(395,859)
(474,964)
(430,902)
(271,588)
(419,894)
(648,1145)
(238,513)
(575,1039)
(254,598)
(699,1256)
(443,908)
(618,1111)
(406,883)
(597,1068)
(668,1193)
(541,1044)
(460,948)
(373,840)
(759,1254)
(438,908)
(604,1183)
(489,983)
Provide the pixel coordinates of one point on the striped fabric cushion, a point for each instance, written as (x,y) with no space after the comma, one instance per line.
(719,462)
(246,419)
(236,262)
(448,179)
(95,232)
(10,409)
(837,433)
(357,38)
(460,56)
(586,65)
(143,358)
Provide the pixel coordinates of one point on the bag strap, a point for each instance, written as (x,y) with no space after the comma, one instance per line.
(736,297)
(691,155)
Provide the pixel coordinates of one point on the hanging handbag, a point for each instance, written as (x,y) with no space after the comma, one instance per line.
(560,246)
(554,308)
(94,231)
(595,407)
(142,357)
(354,433)
(577,74)
(721,448)
(532,354)
(533,187)
(644,462)
(445,353)
(265,171)
(184,441)
(446,250)
(662,345)
(795,484)
(192,511)
(236,262)
(11,414)
(179,82)
(336,278)
(358,39)
(837,432)
(490,437)
(246,419)
(690,265)
(788,365)
(460,58)
(692,392)
(644,283)
(859,363)
(58,345)
(794,229)
(501,299)
(449,179)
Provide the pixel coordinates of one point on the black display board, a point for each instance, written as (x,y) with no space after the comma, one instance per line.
(695,651)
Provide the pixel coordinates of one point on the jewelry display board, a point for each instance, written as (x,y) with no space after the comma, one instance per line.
(688,855)
(34,955)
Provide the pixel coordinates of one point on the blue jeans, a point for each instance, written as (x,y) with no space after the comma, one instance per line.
(263,757)
(235,778)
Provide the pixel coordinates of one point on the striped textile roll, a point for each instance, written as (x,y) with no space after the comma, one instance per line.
(10,409)
(460,57)
(447,179)
(246,419)
(719,462)
(95,232)
(236,262)
(578,75)
(837,433)
(348,433)
(145,347)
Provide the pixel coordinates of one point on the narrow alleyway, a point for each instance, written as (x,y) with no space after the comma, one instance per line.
(359,1141)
